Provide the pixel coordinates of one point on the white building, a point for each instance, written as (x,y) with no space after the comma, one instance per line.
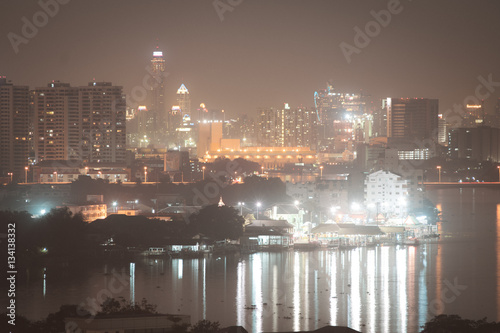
(387,193)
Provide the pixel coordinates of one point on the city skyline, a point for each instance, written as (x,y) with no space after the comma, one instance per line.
(260,55)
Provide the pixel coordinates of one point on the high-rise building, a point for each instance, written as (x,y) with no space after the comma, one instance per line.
(474,115)
(412,118)
(481,143)
(335,111)
(59,126)
(380,120)
(158,111)
(287,127)
(14,129)
(82,124)
(267,127)
(442,130)
(183,100)
(105,106)
(209,137)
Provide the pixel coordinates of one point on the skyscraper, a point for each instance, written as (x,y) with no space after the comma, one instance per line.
(335,111)
(183,100)
(157,97)
(412,118)
(14,129)
(83,124)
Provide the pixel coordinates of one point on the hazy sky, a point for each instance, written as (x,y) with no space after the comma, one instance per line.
(263,52)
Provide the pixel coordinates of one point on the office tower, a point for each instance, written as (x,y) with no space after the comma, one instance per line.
(183,99)
(14,129)
(474,115)
(156,106)
(412,118)
(442,130)
(481,143)
(83,124)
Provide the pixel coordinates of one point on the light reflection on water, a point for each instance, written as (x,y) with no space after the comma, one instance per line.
(379,289)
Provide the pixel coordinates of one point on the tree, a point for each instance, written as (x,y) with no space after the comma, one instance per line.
(113,306)
(455,324)
(205,326)
(62,233)
(217,223)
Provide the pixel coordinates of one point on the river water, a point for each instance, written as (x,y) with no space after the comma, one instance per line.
(379,289)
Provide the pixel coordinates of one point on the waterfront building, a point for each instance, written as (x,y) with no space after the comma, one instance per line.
(387,193)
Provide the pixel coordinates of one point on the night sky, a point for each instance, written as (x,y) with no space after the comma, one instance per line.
(264,52)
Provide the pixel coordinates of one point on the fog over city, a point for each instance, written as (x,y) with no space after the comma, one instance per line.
(253,166)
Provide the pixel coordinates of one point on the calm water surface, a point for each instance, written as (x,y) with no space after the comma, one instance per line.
(380,289)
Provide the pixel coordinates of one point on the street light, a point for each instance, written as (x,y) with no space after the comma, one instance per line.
(55,176)
(498,167)
(26,174)
(262,170)
(10,174)
(203,168)
(114,205)
(145,174)
(241,204)
(258,205)
(321,172)
(439,170)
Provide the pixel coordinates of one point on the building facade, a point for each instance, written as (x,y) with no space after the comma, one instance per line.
(412,118)
(82,124)
(15,126)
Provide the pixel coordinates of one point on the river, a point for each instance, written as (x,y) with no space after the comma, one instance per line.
(379,289)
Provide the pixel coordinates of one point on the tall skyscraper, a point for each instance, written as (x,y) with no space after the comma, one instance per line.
(14,129)
(183,100)
(412,118)
(83,124)
(156,106)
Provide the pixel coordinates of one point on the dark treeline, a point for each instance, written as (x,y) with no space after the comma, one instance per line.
(112,307)
(66,237)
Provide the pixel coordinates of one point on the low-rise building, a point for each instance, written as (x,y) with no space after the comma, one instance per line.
(90,212)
